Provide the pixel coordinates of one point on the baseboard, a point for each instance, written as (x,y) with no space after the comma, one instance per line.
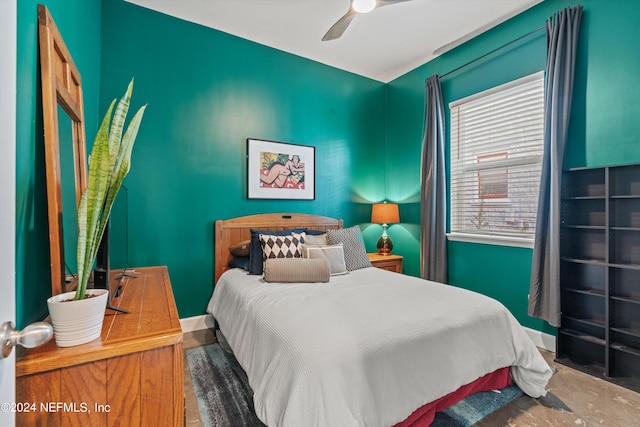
(196,323)
(542,339)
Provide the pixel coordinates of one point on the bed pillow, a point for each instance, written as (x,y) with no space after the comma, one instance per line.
(239,262)
(296,270)
(334,254)
(355,254)
(241,249)
(314,232)
(256,258)
(281,246)
(315,239)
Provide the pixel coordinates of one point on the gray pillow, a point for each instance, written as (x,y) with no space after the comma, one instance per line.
(355,254)
(296,270)
(317,240)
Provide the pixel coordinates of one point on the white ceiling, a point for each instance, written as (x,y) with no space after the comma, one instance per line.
(382,45)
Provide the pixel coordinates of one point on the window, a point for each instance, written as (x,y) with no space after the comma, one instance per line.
(496,156)
(493,183)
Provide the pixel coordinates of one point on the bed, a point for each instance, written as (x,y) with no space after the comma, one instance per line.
(367,348)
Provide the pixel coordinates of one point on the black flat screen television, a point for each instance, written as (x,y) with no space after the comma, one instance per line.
(114,246)
(102,273)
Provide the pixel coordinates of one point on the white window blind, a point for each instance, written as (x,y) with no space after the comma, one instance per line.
(496,156)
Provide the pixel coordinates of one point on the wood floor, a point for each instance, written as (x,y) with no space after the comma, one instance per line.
(573,399)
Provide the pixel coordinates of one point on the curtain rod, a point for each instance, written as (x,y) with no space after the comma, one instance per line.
(493,51)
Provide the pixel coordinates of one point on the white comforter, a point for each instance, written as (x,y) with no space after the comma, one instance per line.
(368,348)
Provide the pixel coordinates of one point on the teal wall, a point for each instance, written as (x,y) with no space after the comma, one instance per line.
(604,128)
(79,24)
(208,91)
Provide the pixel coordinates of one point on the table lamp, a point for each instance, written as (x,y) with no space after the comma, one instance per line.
(385,213)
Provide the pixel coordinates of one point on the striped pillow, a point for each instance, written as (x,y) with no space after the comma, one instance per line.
(296,270)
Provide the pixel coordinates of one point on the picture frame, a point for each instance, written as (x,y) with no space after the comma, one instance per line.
(280,170)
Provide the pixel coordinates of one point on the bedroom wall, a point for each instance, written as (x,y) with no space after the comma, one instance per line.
(208,91)
(604,128)
(79,24)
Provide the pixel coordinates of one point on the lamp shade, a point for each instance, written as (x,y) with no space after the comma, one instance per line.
(385,213)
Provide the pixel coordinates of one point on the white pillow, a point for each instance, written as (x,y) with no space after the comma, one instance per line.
(334,254)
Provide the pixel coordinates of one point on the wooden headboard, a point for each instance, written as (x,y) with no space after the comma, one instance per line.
(229,232)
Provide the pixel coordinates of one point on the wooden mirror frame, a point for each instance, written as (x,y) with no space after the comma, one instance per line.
(61,86)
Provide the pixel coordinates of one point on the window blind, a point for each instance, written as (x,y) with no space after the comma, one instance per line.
(496,155)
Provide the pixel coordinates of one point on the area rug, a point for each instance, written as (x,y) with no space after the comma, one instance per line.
(225,398)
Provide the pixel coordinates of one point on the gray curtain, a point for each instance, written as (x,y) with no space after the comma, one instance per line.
(562,43)
(433,197)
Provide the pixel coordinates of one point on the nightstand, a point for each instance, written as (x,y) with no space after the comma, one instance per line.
(386,262)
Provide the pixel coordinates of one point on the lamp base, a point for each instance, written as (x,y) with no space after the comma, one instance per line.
(385,245)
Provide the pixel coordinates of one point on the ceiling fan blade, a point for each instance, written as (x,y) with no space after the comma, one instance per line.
(340,26)
(336,31)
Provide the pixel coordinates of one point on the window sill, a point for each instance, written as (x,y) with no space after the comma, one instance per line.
(517,242)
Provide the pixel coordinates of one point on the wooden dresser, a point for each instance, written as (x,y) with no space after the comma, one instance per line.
(131,376)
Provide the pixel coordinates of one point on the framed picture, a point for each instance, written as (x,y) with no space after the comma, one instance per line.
(278,170)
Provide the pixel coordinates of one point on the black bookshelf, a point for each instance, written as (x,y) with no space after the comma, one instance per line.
(600,273)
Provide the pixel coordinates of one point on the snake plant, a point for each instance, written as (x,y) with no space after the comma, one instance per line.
(109,163)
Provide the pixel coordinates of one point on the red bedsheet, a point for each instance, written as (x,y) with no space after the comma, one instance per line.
(423,416)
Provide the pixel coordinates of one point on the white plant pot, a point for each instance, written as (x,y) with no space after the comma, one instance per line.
(77,322)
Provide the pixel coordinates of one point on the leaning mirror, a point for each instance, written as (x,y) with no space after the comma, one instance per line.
(69,201)
(64,144)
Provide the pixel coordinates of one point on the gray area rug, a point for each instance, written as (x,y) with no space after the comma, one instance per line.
(225,398)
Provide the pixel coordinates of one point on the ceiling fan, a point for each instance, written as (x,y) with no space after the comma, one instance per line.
(355,7)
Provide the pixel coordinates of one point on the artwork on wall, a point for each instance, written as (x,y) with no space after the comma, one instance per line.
(277,170)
